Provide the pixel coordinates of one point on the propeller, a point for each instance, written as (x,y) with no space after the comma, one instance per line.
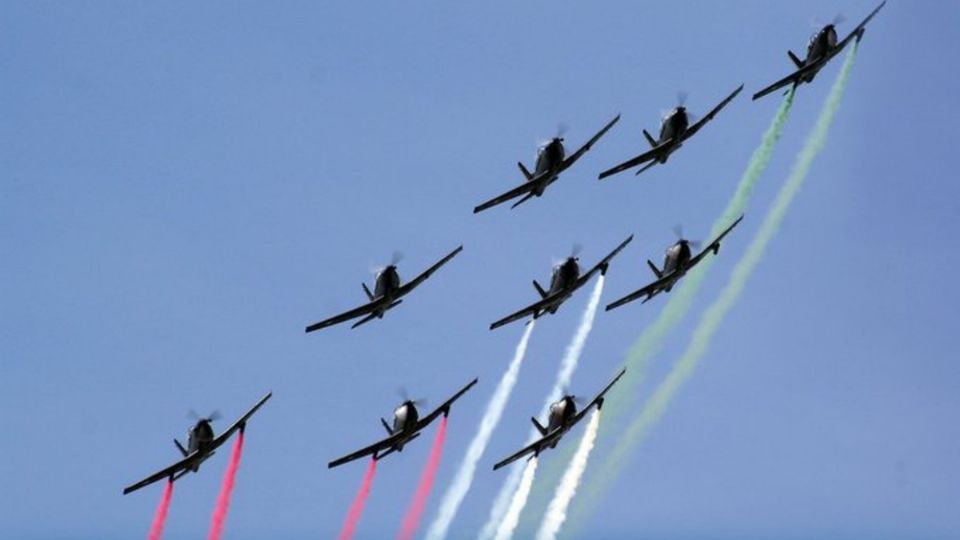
(395,258)
(405,396)
(561,130)
(192,415)
(574,254)
(678,232)
(819,24)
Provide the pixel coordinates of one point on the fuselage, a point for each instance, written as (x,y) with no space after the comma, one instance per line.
(405,417)
(550,157)
(561,414)
(388,282)
(564,276)
(199,439)
(672,127)
(676,257)
(819,47)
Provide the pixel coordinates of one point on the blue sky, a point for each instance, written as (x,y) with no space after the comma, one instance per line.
(186,186)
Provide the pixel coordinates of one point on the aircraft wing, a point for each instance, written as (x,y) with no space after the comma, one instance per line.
(598,400)
(512,194)
(692,130)
(168,472)
(572,158)
(444,407)
(532,309)
(531,448)
(651,154)
(603,264)
(793,78)
(346,316)
(714,245)
(239,424)
(412,284)
(369,450)
(650,290)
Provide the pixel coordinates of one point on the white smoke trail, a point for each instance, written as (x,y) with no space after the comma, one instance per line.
(512,517)
(464,477)
(557,511)
(568,365)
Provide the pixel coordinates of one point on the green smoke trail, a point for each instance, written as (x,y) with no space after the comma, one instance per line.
(652,338)
(661,398)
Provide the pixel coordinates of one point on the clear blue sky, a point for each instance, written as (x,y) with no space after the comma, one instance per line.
(185,187)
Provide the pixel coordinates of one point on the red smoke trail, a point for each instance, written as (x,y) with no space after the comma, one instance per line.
(410,521)
(356,507)
(223,500)
(156,528)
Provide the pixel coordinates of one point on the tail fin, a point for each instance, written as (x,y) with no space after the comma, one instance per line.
(180,447)
(366,290)
(796,61)
(650,139)
(541,429)
(386,426)
(543,293)
(653,267)
(525,172)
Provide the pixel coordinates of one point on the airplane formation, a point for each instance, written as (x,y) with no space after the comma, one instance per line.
(677,127)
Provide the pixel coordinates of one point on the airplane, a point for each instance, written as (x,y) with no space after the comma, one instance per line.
(677,262)
(407,426)
(675,129)
(387,294)
(565,280)
(823,46)
(550,163)
(562,417)
(201,444)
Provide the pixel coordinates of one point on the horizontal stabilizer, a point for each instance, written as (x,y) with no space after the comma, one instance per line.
(653,267)
(796,61)
(543,293)
(650,139)
(541,429)
(525,172)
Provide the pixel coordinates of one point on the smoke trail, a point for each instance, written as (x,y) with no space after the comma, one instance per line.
(491,417)
(160,517)
(412,519)
(568,364)
(223,500)
(652,338)
(658,402)
(557,511)
(512,517)
(356,507)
